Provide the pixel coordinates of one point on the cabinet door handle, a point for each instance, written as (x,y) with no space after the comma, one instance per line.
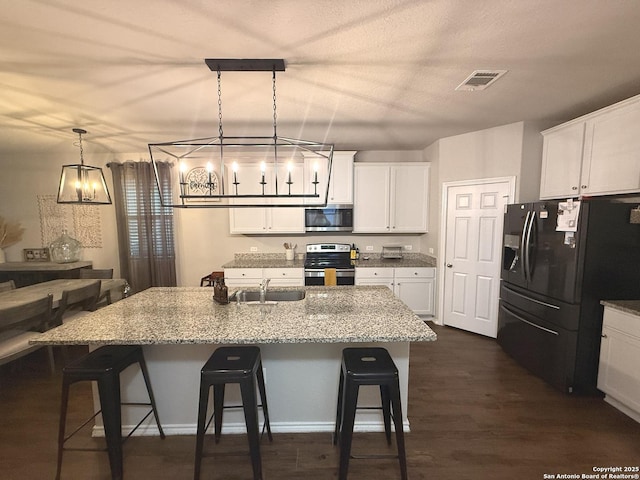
(574,188)
(583,186)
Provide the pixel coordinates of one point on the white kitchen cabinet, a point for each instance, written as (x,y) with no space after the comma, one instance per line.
(618,374)
(415,286)
(340,183)
(597,154)
(269,220)
(240,277)
(251,277)
(562,162)
(374,276)
(391,198)
(284,277)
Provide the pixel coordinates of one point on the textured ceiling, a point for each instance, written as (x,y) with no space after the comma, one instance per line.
(363,74)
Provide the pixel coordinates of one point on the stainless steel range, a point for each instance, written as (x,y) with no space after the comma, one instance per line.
(321,256)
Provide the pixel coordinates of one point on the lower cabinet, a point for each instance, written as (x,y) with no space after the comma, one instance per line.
(414,286)
(618,374)
(251,277)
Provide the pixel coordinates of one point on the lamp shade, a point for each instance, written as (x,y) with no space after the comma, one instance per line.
(83,184)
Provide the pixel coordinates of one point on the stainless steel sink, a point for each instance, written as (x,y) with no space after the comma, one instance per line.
(271,296)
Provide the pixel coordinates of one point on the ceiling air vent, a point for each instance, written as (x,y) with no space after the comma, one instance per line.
(480,79)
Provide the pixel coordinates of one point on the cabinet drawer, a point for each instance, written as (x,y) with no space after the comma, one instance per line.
(289,273)
(415,272)
(381,272)
(243,273)
(624,322)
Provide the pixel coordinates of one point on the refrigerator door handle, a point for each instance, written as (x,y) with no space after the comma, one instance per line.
(527,321)
(527,260)
(550,305)
(523,246)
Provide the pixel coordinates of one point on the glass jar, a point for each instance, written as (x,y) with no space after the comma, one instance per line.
(65,249)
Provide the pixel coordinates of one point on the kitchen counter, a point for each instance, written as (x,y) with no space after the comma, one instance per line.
(264,260)
(627,306)
(188,315)
(301,345)
(277,260)
(408,260)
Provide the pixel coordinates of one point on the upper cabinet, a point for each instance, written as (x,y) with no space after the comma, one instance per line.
(598,154)
(340,183)
(268,220)
(290,220)
(391,198)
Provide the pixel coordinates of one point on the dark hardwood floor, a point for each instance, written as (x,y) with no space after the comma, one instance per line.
(474,413)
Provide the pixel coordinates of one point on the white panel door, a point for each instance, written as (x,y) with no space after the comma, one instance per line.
(475,215)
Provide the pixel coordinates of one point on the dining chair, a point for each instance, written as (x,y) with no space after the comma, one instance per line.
(209,280)
(77,302)
(21,323)
(6,286)
(99,273)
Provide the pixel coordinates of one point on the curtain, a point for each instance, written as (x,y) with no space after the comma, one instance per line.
(145,227)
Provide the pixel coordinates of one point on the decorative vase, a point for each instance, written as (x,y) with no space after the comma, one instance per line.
(65,249)
(2,257)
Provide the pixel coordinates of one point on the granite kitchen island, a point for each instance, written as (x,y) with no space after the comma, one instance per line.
(301,344)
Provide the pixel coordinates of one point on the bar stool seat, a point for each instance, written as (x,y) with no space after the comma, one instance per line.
(368,366)
(236,364)
(104,366)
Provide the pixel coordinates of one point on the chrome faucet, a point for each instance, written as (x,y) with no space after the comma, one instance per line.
(263,289)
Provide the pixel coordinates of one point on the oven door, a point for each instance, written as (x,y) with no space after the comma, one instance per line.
(315,276)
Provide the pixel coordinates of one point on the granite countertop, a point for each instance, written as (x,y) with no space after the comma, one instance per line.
(277,260)
(188,315)
(627,306)
(407,260)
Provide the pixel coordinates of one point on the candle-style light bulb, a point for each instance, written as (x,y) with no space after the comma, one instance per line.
(289,168)
(183,169)
(315,171)
(209,171)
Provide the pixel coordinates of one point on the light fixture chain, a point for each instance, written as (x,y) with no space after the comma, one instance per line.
(219,107)
(275,114)
(81,149)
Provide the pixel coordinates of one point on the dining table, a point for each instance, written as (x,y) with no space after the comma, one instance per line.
(29,293)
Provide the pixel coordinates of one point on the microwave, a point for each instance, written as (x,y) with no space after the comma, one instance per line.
(332,218)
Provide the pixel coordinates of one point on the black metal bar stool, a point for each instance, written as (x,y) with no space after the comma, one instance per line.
(368,366)
(104,366)
(242,365)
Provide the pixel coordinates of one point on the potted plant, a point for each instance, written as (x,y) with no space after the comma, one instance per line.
(10,233)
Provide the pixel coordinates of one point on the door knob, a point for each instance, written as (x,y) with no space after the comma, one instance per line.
(449,265)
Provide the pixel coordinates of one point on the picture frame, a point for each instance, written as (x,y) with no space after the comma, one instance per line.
(36,255)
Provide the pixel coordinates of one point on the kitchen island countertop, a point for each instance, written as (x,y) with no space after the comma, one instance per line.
(188,315)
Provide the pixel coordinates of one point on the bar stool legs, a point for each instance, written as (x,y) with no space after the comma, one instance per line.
(241,365)
(104,366)
(367,366)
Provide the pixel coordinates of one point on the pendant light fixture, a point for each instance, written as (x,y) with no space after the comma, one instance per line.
(228,172)
(83,184)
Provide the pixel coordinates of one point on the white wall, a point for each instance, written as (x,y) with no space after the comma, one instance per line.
(203,242)
(25,177)
(507,150)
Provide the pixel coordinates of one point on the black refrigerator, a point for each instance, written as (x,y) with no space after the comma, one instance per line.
(550,316)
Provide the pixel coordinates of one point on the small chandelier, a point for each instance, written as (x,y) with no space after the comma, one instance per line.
(83,184)
(230,172)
